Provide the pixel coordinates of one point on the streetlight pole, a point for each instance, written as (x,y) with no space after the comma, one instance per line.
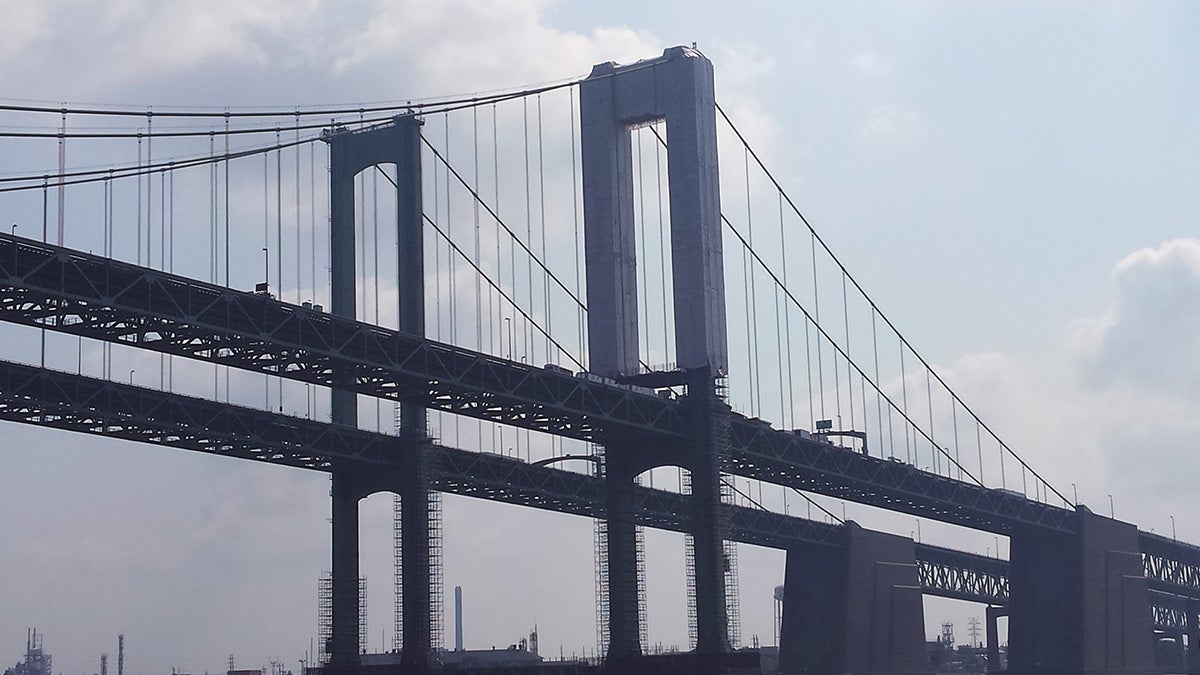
(131,376)
(508,324)
(1112,513)
(266,267)
(1075,494)
(1172,527)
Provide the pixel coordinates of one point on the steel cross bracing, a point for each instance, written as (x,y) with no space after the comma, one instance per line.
(787,459)
(77,403)
(43,397)
(1171,566)
(83,294)
(104,299)
(72,402)
(963,576)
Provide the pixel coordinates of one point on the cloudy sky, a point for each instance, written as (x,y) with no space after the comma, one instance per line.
(1012,182)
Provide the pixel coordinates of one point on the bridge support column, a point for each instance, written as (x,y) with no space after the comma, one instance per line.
(709,528)
(992,616)
(351,152)
(416,613)
(1080,605)
(624,610)
(854,609)
(345,493)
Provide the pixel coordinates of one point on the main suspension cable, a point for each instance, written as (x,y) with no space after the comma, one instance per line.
(886,320)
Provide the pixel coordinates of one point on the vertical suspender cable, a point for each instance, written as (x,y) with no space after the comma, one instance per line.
(139,199)
(46,230)
(62,169)
(954,420)
(105,213)
(296,213)
(878,394)
(450,258)
(747,301)
(312,216)
(162,264)
(375,270)
(162,218)
(904,391)
(498,430)
(527,339)
(437,276)
(640,231)
(266,256)
(542,222)
(849,363)
(581,320)
(149,191)
(212,209)
(216,233)
(787,324)
(757,375)
(171,267)
(662,256)
(979,448)
(817,322)
(476,251)
(933,449)
(226,162)
(212,237)
(812,416)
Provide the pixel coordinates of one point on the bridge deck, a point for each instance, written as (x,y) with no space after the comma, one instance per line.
(84,294)
(71,402)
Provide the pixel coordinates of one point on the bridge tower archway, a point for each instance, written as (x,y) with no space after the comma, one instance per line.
(351,152)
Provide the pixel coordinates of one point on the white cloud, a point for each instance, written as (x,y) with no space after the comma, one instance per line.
(1150,337)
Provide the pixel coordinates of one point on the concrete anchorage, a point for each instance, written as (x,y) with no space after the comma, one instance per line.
(1080,604)
(855,608)
(351,152)
(676,87)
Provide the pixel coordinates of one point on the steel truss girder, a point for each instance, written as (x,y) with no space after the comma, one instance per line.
(1171,566)
(77,403)
(47,398)
(104,299)
(962,576)
(83,294)
(787,459)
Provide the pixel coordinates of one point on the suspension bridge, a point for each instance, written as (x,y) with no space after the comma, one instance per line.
(470,295)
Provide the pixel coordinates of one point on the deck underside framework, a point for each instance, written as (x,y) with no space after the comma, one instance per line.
(82,294)
(77,403)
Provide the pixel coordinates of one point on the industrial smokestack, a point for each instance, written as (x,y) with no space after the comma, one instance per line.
(458,645)
(121,654)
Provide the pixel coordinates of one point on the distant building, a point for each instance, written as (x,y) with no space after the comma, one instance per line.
(37,661)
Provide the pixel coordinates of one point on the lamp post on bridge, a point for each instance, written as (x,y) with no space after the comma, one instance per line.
(1075,494)
(1173,527)
(1112,512)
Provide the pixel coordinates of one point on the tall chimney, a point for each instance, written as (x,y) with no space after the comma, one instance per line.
(121,654)
(458,645)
